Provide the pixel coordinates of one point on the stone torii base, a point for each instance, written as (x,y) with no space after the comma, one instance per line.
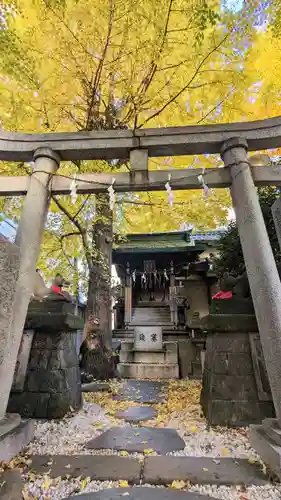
(14,432)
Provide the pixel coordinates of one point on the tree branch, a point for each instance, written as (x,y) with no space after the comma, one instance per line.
(95,84)
(196,72)
(81,230)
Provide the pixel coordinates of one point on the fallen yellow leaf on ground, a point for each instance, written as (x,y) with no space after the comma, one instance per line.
(193,428)
(123,483)
(84,483)
(225,451)
(178,485)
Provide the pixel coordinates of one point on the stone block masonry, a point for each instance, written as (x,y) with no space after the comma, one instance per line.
(52,384)
(235,384)
(9,269)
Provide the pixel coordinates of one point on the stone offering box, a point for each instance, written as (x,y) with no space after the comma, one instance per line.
(236,389)
(47,381)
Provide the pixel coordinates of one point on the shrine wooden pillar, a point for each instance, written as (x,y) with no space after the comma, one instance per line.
(259,260)
(128,296)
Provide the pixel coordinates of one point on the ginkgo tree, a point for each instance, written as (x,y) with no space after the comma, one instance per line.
(80,65)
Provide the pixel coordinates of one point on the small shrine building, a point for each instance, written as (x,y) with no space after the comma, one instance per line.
(166,280)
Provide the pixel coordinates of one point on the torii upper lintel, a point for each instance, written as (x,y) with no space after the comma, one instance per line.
(175,141)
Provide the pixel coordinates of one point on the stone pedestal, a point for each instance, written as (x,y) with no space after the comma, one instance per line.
(149,364)
(52,384)
(14,433)
(148,338)
(266,439)
(235,390)
(190,358)
(9,270)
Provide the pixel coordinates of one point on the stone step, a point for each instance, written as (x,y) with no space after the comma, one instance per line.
(150,313)
(149,357)
(142,493)
(150,323)
(97,467)
(162,470)
(147,315)
(136,414)
(202,470)
(143,391)
(144,316)
(138,439)
(149,371)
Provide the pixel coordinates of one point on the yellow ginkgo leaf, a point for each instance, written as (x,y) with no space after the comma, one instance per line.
(84,483)
(178,485)
(193,428)
(252,460)
(123,483)
(225,451)
(47,483)
(149,451)
(124,453)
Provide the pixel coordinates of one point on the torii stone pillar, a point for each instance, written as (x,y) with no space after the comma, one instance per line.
(260,264)
(28,238)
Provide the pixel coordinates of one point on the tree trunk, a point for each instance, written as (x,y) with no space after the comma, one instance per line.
(99,288)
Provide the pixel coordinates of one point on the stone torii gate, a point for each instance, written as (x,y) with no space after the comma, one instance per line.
(230,140)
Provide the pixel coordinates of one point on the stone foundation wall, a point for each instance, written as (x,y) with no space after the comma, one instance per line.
(52,384)
(190,359)
(235,388)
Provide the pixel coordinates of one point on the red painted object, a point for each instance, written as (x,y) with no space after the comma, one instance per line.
(222,295)
(57,290)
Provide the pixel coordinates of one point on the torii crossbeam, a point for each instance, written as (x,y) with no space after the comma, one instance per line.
(120,144)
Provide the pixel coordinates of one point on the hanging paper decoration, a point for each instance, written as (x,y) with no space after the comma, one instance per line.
(206,190)
(134,274)
(168,188)
(73,190)
(111,195)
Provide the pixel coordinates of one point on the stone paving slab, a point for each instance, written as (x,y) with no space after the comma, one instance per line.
(11,485)
(142,391)
(96,387)
(98,467)
(138,439)
(141,494)
(137,414)
(202,470)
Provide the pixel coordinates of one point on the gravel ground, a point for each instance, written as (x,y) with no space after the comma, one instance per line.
(202,441)
(69,436)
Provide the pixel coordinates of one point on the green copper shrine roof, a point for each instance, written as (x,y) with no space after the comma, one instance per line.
(156,241)
(173,241)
